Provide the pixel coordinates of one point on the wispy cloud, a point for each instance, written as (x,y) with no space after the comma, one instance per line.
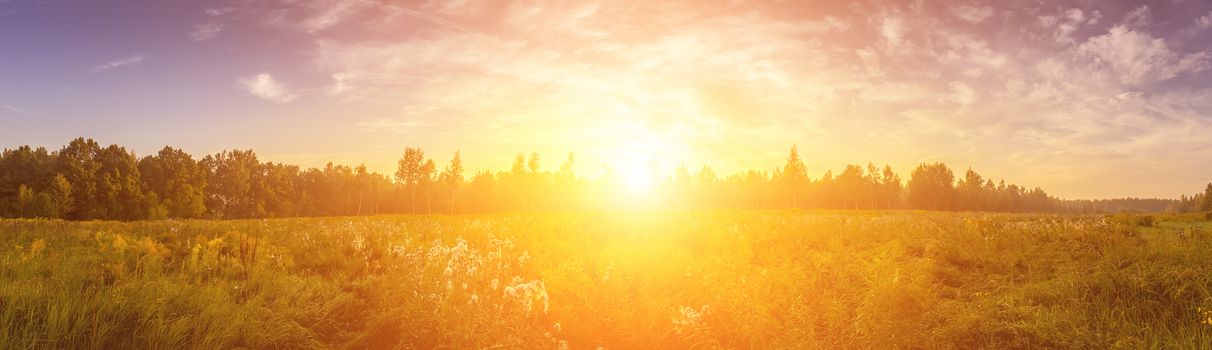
(1138,58)
(206,31)
(396,126)
(972,14)
(219,11)
(265,86)
(119,63)
(16,110)
(1056,89)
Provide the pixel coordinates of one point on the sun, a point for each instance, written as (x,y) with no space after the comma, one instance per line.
(638,180)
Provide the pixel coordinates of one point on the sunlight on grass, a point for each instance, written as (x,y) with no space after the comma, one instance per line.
(642,280)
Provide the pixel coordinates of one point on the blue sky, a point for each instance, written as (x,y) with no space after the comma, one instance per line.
(1087,99)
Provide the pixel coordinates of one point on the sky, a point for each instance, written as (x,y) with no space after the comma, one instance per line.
(1086,99)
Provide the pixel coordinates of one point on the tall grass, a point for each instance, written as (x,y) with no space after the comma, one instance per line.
(884,280)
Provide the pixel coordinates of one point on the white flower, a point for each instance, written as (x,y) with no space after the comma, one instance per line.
(690,318)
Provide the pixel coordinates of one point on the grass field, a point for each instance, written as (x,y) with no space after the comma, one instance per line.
(831,280)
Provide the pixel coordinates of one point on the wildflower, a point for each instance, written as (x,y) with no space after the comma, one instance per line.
(689,318)
(494,283)
(399,250)
(556,327)
(563,345)
(474,299)
(526,294)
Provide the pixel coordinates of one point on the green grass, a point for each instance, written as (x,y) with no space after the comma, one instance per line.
(828,280)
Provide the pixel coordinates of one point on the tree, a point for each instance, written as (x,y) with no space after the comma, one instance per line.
(931,187)
(409,173)
(971,192)
(364,183)
(31,167)
(1207,204)
(515,183)
(851,186)
(891,187)
(25,201)
(60,195)
(119,187)
(277,186)
(177,180)
(231,176)
(77,162)
(452,177)
(795,177)
(428,170)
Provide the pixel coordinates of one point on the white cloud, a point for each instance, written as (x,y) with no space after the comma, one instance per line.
(1204,22)
(206,31)
(265,86)
(118,63)
(16,110)
(219,11)
(1137,58)
(1062,97)
(1067,22)
(1137,18)
(892,28)
(972,14)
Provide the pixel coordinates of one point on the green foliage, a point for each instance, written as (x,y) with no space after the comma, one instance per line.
(852,280)
(931,187)
(85,181)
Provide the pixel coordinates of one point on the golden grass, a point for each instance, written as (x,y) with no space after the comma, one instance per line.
(829,280)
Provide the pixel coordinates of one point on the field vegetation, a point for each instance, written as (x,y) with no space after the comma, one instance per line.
(750,279)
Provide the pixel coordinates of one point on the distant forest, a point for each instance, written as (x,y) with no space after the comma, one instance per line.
(85,181)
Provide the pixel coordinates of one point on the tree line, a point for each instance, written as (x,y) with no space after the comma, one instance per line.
(85,181)
(1199,202)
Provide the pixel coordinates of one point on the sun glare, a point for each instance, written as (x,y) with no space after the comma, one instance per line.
(638,180)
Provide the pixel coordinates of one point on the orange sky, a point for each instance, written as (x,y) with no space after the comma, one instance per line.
(1085,99)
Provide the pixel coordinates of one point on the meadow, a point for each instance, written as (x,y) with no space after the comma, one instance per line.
(699,280)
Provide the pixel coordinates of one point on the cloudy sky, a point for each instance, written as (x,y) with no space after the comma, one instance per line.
(1087,99)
